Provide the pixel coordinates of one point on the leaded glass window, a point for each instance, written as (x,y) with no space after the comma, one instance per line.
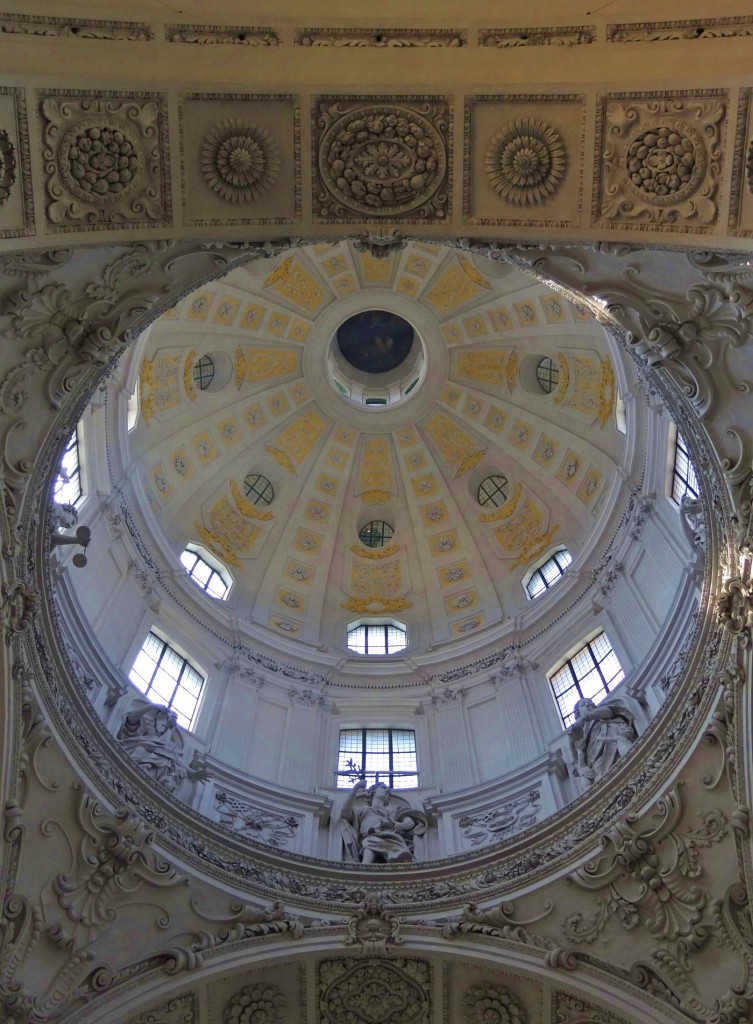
(377,755)
(492,491)
(593,672)
(165,677)
(548,573)
(684,479)
(67,488)
(377,638)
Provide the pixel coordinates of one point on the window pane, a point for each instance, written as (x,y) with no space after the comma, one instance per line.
(591,672)
(165,677)
(684,479)
(378,752)
(67,486)
(548,573)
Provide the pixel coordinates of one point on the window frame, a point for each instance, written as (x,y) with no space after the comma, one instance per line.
(681,450)
(608,686)
(503,489)
(385,624)
(198,376)
(188,662)
(217,568)
(258,497)
(387,776)
(536,570)
(75,440)
(383,537)
(550,374)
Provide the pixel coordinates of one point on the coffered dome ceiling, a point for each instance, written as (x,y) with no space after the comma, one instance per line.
(462,405)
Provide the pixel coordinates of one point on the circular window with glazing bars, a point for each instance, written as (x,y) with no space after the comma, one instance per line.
(203,372)
(258,489)
(376,534)
(548,375)
(492,491)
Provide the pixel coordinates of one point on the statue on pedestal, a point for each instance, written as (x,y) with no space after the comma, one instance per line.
(376,828)
(598,737)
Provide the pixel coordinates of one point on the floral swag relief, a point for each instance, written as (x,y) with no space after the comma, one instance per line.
(7,166)
(383,160)
(380,991)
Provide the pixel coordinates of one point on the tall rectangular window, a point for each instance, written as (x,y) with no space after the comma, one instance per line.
(67,488)
(684,479)
(377,755)
(593,672)
(165,677)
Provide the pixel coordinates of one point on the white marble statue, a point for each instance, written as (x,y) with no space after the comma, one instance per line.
(598,737)
(377,829)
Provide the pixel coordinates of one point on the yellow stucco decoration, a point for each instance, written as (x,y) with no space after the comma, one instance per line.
(460,450)
(564,381)
(607,392)
(454,289)
(246,507)
(506,510)
(511,374)
(239,368)
(375,496)
(486,366)
(376,588)
(188,375)
(376,472)
(374,553)
(295,283)
(534,547)
(291,448)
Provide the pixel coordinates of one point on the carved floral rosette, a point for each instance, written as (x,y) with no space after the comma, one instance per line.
(383,160)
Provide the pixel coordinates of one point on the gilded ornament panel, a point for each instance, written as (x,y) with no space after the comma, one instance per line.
(589,488)
(252,316)
(240,159)
(16,200)
(159,385)
(485,366)
(659,160)
(467,625)
(495,419)
(294,444)
(383,158)
(299,572)
(523,160)
(267,363)
(277,323)
(451,575)
(227,307)
(461,451)
(444,543)
(376,472)
(457,285)
(204,447)
(460,603)
(293,280)
(554,309)
(254,416)
(106,160)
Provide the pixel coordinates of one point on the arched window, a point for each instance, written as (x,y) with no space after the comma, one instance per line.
(377,638)
(547,573)
(67,489)
(259,490)
(207,572)
(377,755)
(492,491)
(592,671)
(684,479)
(165,677)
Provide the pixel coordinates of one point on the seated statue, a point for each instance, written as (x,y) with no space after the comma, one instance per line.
(598,737)
(151,736)
(376,830)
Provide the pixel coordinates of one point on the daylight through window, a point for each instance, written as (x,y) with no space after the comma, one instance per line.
(684,479)
(548,573)
(204,575)
(593,672)
(383,755)
(377,638)
(492,491)
(165,677)
(259,490)
(67,488)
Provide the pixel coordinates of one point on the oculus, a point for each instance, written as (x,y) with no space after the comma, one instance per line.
(238,161)
(526,161)
(375,341)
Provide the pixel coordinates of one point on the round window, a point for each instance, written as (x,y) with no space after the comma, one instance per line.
(376,533)
(258,489)
(548,375)
(203,372)
(492,491)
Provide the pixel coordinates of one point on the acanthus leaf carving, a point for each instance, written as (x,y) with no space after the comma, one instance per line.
(500,922)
